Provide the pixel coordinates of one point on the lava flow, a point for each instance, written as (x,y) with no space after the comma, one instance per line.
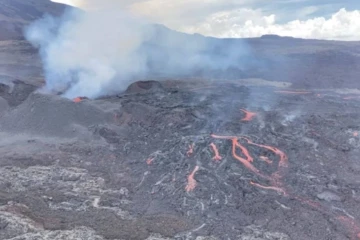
(279,190)
(79,99)
(191,150)
(191,182)
(248,115)
(217,156)
(275,178)
(149,161)
(266,159)
(247,162)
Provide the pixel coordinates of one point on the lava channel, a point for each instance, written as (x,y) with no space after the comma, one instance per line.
(191,182)
(247,161)
(275,178)
(248,115)
(149,161)
(266,159)
(277,189)
(217,156)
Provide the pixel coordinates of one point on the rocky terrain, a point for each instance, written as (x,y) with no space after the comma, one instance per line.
(178,160)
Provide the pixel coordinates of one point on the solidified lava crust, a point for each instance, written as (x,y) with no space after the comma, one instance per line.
(181,164)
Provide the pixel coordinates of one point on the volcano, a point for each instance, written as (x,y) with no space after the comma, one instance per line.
(266,151)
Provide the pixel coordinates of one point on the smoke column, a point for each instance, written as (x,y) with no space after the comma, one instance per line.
(100,52)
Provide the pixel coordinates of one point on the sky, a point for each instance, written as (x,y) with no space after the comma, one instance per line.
(316,19)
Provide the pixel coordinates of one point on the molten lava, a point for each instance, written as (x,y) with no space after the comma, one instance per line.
(79,99)
(248,115)
(283,161)
(217,156)
(191,182)
(266,159)
(149,161)
(275,178)
(277,189)
(191,150)
(247,162)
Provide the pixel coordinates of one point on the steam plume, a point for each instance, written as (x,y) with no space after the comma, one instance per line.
(100,52)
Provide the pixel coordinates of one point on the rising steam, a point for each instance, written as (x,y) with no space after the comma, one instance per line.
(87,54)
(101,52)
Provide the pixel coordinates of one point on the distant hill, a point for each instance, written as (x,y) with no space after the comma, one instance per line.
(15,14)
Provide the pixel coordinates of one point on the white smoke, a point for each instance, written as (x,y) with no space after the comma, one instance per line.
(89,53)
(100,52)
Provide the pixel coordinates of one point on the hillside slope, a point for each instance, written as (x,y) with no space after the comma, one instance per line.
(15,14)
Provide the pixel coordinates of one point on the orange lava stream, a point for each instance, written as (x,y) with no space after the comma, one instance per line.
(277,189)
(277,184)
(79,99)
(191,150)
(217,156)
(247,162)
(293,92)
(191,184)
(283,162)
(149,161)
(248,115)
(266,159)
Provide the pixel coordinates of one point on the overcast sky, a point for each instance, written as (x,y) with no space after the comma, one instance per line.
(320,19)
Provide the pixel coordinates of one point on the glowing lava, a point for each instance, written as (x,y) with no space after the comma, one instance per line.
(283,161)
(191,182)
(191,150)
(248,115)
(217,156)
(293,92)
(78,99)
(266,159)
(279,190)
(247,161)
(149,161)
(355,134)
(275,178)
